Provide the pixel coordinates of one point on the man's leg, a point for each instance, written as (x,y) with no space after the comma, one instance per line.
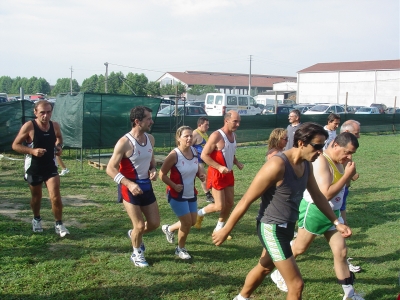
(36,199)
(53,187)
(302,242)
(228,203)
(339,251)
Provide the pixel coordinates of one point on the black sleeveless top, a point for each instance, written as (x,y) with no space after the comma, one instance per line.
(46,140)
(280,204)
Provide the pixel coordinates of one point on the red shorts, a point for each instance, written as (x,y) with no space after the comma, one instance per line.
(219,181)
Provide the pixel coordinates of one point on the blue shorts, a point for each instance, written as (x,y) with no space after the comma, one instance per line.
(144,199)
(181,208)
(276,239)
(346,192)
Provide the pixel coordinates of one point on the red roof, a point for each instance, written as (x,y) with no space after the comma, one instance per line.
(354,66)
(228,79)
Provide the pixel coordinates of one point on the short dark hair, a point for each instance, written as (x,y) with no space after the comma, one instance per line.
(344,138)
(138,113)
(307,131)
(296,112)
(201,120)
(332,117)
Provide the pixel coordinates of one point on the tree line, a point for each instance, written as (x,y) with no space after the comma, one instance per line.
(117,83)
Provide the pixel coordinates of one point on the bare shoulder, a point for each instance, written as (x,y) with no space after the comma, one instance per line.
(151,138)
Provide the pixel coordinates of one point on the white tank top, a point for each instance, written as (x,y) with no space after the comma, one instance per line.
(187,169)
(229,150)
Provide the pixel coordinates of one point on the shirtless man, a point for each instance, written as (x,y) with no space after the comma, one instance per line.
(133,166)
(200,138)
(41,139)
(219,155)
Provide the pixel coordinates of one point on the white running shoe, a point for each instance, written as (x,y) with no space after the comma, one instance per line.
(61,230)
(279,281)
(142,246)
(355,297)
(168,234)
(37,225)
(64,171)
(353,268)
(182,253)
(139,260)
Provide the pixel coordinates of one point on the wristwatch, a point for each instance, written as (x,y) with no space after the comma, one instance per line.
(336,223)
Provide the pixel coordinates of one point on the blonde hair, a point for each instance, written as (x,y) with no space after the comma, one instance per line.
(275,137)
(179,133)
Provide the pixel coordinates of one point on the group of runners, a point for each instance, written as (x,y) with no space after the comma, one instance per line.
(302,178)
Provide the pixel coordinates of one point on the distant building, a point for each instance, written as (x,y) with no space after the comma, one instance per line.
(365,82)
(225,82)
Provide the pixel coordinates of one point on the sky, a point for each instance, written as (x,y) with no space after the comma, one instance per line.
(47,38)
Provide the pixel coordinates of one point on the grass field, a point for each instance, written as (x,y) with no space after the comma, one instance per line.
(93,261)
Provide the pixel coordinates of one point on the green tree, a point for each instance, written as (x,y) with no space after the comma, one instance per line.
(172,89)
(42,86)
(137,83)
(90,85)
(30,87)
(114,82)
(6,84)
(63,86)
(153,88)
(198,90)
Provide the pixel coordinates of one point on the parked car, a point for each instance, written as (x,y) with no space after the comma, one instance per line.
(198,103)
(303,107)
(187,110)
(351,109)
(381,107)
(368,110)
(325,109)
(282,109)
(391,110)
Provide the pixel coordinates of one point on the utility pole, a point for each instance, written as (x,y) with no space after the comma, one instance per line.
(249,93)
(105,83)
(70,81)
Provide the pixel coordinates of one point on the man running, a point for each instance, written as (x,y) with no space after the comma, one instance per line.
(219,155)
(331,178)
(133,166)
(41,139)
(200,137)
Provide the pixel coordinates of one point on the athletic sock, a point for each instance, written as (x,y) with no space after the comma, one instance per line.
(136,250)
(348,290)
(38,218)
(201,212)
(219,225)
(59,222)
(208,193)
(240,297)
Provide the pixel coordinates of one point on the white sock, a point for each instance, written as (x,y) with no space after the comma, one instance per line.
(240,297)
(201,212)
(348,290)
(219,225)
(136,250)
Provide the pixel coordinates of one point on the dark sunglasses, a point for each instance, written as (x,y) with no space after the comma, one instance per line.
(317,146)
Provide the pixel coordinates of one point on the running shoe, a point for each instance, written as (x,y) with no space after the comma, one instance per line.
(37,225)
(210,198)
(353,268)
(139,260)
(142,247)
(279,281)
(182,253)
(64,171)
(354,297)
(198,222)
(61,230)
(168,234)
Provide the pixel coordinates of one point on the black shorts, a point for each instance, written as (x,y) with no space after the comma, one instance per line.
(144,199)
(276,239)
(38,179)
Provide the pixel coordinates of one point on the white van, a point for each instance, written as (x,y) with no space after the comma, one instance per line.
(217,104)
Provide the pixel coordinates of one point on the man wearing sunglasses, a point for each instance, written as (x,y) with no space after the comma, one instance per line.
(331,178)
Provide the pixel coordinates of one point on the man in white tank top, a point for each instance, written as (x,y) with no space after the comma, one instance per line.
(133,166)
(219,155)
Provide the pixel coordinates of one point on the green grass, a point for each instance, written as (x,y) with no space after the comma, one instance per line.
(93,261)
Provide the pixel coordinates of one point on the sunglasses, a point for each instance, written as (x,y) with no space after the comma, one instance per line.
(317,146)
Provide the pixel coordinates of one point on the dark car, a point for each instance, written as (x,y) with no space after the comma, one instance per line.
(187,110)
(382,107)
(281,110)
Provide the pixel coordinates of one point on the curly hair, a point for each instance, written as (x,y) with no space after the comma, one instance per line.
(275,136)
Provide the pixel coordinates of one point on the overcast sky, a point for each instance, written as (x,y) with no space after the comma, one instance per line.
(44,38)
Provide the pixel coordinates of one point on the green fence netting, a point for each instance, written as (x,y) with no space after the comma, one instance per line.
(97,121)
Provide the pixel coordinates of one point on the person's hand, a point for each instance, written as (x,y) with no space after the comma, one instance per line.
(178,187)
(39,152)
(153,174)
(344,230)
(202,177)
(223,170)
(355,177)
(239,165)
(219,236)
(135,189)
(57,150)
(350,169)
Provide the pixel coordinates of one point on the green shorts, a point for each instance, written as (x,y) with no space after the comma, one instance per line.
(312,219)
